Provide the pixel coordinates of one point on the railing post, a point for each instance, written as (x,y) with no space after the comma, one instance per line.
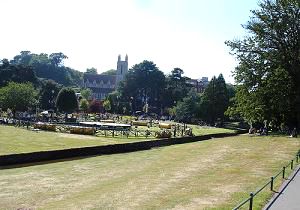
(292,164)
(283,172)
(272,183)
(251,201)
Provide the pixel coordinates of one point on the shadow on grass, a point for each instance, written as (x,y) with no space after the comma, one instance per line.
(45,162)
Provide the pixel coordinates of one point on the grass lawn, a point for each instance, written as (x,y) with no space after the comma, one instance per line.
(19,140)
(203,130)
(214,174)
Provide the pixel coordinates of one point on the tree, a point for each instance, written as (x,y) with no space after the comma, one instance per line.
(17,96)
(86,93)
(66,100)
(91,70)
(215,100)
(118,104)
(222,97)
(109,72)
(176,88)
(106,105)
(95,106)
(268,73)
(48,93)
(187,110)
(84,105)
(49,67)
(56,59)
(143,84)
(16,73)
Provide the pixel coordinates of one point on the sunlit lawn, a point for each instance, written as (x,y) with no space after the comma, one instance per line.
(19,140)
(214,174)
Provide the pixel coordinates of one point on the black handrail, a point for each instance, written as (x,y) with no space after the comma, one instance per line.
(252,195)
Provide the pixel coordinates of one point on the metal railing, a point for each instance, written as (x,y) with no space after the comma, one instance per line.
(282,172)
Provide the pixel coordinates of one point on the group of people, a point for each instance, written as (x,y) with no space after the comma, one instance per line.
(263,131)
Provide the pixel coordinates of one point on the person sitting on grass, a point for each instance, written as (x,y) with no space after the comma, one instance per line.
(294,133)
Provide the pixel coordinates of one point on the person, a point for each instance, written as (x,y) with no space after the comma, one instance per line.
(294,133)
(264,131)
(252,130)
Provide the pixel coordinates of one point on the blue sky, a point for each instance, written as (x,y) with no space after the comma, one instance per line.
(188,34)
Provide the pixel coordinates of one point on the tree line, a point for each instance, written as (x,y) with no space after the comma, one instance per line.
(145,89)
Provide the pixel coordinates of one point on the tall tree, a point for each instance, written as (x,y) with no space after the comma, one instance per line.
(208,109)
(177,87)
(66,100)
(143,84)
(269,63)
(48,93)
(215,100)
(222,97)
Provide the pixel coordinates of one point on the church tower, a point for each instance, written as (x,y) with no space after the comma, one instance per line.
(122,69)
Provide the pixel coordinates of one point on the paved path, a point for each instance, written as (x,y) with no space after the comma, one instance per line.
(288,197)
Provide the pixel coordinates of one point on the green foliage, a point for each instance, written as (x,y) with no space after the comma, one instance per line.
(66,100)
(269,64)
(187,110)
(215,100)
(119,104)
(48,94)
(16,73)
(143,83)
(86,93)
(106,105)
(91,70)
(17,96)
(176,87)
(49,67)
(84,104)
(110,72)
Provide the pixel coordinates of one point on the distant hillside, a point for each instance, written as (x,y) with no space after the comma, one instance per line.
(50,67)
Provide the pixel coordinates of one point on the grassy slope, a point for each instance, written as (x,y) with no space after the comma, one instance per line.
(210,174)
(17,140)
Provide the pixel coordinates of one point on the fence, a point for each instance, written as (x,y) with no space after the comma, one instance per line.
(270,183)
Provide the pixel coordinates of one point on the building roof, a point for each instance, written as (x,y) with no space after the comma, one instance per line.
(99,78)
